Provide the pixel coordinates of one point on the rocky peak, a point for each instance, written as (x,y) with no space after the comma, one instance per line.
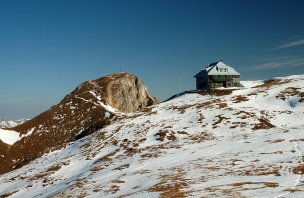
(122,91)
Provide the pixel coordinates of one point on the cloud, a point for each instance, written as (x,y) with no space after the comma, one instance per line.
(290,44)
(278,63)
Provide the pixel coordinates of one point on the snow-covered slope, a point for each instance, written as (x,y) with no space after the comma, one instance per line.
(249,142)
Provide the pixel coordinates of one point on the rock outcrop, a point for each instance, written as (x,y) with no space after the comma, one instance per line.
(89,107)
(122,91)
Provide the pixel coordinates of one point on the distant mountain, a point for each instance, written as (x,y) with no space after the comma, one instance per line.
(247,142)
(9,124)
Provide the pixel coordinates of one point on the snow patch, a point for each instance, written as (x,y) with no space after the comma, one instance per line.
(28,133)
(9,136)
(249,84)
(107,115)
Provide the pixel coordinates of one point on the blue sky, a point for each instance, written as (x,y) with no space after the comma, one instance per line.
(48,47)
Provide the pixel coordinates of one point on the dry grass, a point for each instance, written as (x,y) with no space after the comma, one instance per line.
(106,158)
(221,119)
(41,176)
(78,184)
(45,176)
(222,105)
(277,141)
(165,134)
(263,124)
(296,140)
(270,153)
(201,137)
(161,135)
(96,189)
(292,190)
(270,83)
(148,111)
(97,168)
(244,114)
(239,99)
(172,185)
(8,194)
(299,170)
(182,109)
(285,112)
(252,94)
(208,104)
(182,132)
(113,189)
(122,167)
(216,92)
(238,125)
(118,181)
(224,193)
(266,184)
(235,189)
(54,168)
(262,170)
(149,155)
(291,91)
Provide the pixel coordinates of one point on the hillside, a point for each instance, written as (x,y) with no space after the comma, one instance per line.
(230,143)
(91,106)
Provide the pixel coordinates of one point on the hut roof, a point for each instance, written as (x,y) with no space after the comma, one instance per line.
(217,68)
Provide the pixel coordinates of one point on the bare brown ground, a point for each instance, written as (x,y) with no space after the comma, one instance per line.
(263,124)
(270,83)
(8,194)
(298,169)
(239,99)
(291,91)
(235,189)
(172,185)
(221,119)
